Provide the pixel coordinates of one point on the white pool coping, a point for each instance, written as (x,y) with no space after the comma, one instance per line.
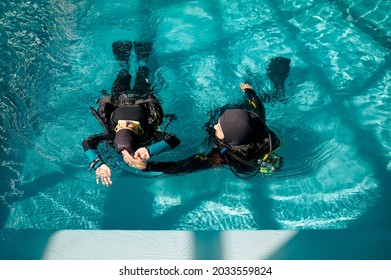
(188,245)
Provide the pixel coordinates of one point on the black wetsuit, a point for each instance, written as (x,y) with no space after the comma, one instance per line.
(137,104)
(243,160)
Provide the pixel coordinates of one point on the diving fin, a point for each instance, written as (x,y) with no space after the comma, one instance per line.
(122,51)
(142,49)
(278,71)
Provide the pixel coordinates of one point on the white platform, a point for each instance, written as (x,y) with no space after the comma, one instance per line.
(186,245)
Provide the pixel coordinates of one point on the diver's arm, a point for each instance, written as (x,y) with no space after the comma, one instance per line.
(254,101)
(90,146)
(102,171)
(191,164)
(169,142)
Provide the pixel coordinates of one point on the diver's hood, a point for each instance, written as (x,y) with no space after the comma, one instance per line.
(236,125)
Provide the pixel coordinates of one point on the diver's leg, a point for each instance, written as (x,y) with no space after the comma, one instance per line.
(142,50)
(142,85)
(122,51)
(278,71)
(121,84)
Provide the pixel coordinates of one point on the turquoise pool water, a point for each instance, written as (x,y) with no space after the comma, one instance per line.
(56,58)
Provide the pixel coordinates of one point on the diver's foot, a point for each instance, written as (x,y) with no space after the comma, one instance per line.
(122,51)
(143,50)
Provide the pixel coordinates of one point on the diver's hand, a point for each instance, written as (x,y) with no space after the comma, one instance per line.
(245,86)
(133,161)
(142,153)
(103,173)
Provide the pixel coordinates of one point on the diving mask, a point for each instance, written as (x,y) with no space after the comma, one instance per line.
(134,126)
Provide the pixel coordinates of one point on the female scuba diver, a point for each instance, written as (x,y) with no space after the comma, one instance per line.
(130,117)
(242,140)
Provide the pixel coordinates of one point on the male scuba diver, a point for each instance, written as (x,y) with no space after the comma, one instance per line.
(130,117)
(242,140)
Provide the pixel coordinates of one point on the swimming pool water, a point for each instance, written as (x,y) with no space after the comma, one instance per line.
(56,58)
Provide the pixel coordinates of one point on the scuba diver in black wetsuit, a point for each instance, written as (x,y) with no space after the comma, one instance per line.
(243,141)
(130,117)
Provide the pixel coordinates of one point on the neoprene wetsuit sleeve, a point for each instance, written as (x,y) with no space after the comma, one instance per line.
(90,146)
(191,164)
(170,141)
(255,103)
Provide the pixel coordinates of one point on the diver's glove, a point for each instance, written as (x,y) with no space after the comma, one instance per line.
(103,173)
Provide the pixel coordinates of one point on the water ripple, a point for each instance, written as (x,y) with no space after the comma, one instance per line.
(340,192)
(56,57)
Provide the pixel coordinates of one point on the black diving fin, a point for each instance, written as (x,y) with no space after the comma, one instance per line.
(278,71)
(142,50)
(122,51)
